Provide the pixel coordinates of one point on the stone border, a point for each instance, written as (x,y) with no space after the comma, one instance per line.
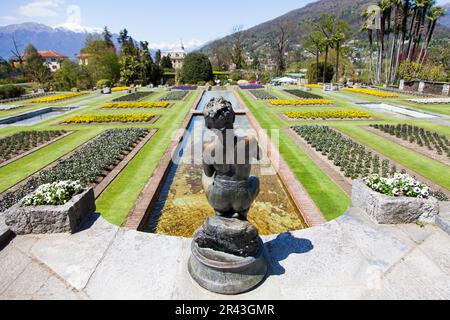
(138,215)
(311,214)
(322,162)
(20,156)
(112,175)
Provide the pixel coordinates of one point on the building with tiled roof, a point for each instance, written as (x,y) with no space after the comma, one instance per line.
(52,59)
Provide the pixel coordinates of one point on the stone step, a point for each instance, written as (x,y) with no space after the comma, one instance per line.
(443,220)
(5,233)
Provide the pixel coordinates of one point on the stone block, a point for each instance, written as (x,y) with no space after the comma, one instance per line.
(51,219)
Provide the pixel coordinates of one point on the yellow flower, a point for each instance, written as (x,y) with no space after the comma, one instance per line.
(118,89)
(313,86)
(301,102)
(124,118)
(126,105)
(59,97)
(371,92)
(340,114)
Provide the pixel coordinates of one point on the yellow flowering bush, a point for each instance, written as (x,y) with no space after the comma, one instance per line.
(374,93)
(124,118)
(118,89)
(339,114)
(58,97)
(301,102)
(313,86)
(128,105)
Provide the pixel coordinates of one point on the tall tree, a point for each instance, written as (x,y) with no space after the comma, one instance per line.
(107,37)
(158,56)
(35,67)
(433,17)
(237,38)
(314,41)
(279,41)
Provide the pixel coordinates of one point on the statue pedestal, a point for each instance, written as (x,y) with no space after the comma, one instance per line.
(222,272)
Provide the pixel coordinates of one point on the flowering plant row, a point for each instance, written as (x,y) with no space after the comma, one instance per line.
(118,89)
(419,136)
(185,88)
(124,118)
(174,96)
(4,107)
(374,93)
(21,142)
(263,95)
(343,114)
(352,158)
(251,87)
(85,165)
(54,194)
(58,97)
(127,105)
(303,102)
(431,101)
(313,86)
(303,94)
(398,185)
(136,96)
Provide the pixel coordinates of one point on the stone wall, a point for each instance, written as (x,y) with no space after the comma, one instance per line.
(430,88)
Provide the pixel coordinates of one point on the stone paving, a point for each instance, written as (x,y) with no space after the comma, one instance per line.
(349,258)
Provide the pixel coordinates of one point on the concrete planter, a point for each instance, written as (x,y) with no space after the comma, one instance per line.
(393,210)
(51,219)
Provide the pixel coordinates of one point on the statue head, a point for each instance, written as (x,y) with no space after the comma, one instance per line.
(219,114)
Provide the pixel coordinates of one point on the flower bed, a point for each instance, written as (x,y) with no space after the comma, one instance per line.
(431,101)
(4,107)
(303,102)
(420,136)
(344,114)
(185,88)
(53,194)
(313,86)
(399,185)
(27,97)
(133,96)
(58,97)
(303,94)
(85,165)
(354,160)
(111,118)
(119,89)
(139,105)
(263,95)
(175,96)
(251,87)
(19,143)
(374,93)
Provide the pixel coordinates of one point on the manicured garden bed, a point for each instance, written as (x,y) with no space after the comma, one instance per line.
(328,115)
(175,96)
(19,143)
(251,87)
(136,105)
(185,88)
(87,164)
(375,93)
(303,102)
(262,95)
(303,94)
(59,97)
(136,96)
(111,118)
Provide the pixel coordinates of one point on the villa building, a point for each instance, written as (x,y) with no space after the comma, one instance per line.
(176,57)
(83,59)
(52,59)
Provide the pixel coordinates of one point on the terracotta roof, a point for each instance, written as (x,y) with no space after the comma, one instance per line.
(84,55)
(51,54)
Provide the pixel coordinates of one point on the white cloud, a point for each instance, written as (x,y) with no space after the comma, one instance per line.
(40,8)
(8,18)
(166,46)
(73,21)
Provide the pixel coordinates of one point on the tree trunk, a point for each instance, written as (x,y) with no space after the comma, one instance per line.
(337,61)
(317,65)
(371,55)
(430,36)
(325,65)
(413,23)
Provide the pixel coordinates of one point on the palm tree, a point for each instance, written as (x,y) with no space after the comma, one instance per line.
(398,19)
(314,42)
(434,14)
(341,33)
(417,25)
(370,25)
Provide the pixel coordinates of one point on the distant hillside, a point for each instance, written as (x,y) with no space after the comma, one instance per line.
(61,40)
(446,19)
(349,10)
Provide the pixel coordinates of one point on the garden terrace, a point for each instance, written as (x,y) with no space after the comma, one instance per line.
(111,118)
(303,102)
(136,96)
(421,137)
(59,97)
(137,105)
(339,114)
(370,92)
(303,94)
(87,164)
(262,95)
(27,97)
(20,143)
(175,96)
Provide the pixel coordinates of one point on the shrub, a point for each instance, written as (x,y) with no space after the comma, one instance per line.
(201,83)
(11,91)
(103,83)
(196,67)
(312,73)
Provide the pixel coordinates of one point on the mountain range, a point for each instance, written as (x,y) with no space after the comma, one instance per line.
(348,10)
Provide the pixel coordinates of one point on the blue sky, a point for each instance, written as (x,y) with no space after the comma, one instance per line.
(162,23)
